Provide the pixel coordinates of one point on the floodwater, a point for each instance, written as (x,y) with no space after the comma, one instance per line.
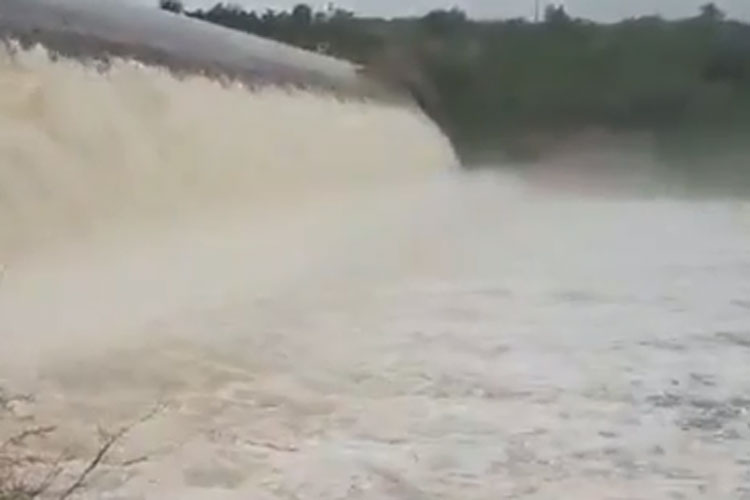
(446,336)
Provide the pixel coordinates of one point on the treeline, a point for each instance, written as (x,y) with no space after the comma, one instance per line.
(506,88)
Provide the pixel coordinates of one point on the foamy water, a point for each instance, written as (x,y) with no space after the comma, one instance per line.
(328,310)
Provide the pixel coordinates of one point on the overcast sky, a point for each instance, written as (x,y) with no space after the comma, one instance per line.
(603,10)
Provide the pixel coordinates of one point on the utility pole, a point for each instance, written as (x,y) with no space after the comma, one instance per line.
(536,11)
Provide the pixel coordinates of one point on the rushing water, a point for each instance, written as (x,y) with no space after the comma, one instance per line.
(327,311)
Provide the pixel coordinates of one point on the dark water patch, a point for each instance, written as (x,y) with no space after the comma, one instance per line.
(664,344)
(665,400)
(719,417)
(741,339)
(703,379)
(676,473)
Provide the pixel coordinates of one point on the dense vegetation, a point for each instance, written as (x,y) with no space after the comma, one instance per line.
(508,88)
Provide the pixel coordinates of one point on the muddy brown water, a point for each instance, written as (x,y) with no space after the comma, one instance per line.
(326,309)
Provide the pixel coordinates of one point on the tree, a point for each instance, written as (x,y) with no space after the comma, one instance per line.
(342,15)
(556,15)
(302,15)
(174,6)
(710,12)
(444,21)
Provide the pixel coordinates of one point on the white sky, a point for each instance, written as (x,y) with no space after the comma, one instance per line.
(603,10)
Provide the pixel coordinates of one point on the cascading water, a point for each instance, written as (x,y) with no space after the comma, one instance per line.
(282,253)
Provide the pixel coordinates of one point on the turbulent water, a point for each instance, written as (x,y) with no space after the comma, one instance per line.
(327,310)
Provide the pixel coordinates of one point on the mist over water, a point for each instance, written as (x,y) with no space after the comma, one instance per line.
(330,309)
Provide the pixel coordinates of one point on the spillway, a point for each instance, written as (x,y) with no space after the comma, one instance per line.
(154,168)
(115,115)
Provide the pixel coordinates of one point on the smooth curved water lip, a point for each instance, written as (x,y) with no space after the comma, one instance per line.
(97,29)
